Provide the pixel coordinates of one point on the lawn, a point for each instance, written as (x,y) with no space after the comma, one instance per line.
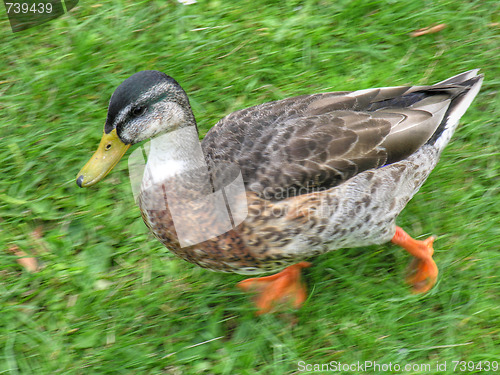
(109,298)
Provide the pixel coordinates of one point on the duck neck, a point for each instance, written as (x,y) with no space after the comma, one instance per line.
(176,152)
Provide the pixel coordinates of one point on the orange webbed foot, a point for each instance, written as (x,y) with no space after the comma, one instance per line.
(423,269)
(283,287)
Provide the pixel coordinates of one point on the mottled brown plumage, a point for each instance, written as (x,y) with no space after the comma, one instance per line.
(321,172)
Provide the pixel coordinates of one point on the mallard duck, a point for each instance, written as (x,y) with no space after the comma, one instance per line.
(320,172)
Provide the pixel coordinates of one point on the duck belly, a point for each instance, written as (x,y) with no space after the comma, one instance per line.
(369,203)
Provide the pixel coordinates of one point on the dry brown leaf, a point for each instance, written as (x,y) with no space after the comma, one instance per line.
(37,232)
(39,246)
(29,263)
(428,30)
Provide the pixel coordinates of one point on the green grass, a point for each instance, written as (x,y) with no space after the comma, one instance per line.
(110,299)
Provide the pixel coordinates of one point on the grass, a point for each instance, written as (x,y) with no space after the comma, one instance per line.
(110,299)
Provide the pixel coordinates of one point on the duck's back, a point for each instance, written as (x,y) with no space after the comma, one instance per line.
(315,142)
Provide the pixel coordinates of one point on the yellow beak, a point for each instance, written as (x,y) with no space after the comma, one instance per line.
(109,152)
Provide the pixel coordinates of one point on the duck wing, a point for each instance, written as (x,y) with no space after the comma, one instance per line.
(315,142)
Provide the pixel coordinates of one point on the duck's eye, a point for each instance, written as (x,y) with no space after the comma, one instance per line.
(139,110)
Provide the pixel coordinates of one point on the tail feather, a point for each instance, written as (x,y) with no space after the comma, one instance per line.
(459,78)
(470,84)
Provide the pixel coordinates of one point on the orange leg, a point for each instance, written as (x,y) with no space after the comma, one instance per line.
(284,286)
(423,270)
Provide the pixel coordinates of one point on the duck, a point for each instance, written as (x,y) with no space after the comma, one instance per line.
(271,186)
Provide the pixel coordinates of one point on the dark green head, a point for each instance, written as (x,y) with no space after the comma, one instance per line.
(147,104)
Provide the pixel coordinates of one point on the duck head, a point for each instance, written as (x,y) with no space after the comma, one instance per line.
(145,105)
